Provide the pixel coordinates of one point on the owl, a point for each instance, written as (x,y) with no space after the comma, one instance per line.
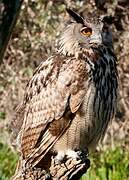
(71,98)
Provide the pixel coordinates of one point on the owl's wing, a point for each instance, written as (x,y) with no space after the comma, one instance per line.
(53,95)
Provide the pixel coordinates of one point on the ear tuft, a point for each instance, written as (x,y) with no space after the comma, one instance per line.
(75,16)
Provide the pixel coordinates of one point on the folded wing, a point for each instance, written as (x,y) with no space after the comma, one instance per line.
(52,97)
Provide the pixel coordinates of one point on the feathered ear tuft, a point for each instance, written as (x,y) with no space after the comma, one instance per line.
(75,16)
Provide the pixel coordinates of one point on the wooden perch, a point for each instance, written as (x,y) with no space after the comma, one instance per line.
(71,169)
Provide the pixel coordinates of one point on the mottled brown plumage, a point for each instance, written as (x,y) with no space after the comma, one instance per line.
(71,97)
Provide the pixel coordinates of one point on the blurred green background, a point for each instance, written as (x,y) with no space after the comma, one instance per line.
(33,40)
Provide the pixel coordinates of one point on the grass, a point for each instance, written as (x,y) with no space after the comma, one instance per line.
(108,165)
(7,162)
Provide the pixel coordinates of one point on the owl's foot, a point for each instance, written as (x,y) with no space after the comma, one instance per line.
(63,155)
(73,154)
(59,157)
(77,154)
(70,167)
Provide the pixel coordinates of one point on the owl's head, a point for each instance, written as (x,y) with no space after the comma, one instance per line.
(81,34)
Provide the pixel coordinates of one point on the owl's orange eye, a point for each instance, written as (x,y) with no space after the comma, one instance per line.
(86,31)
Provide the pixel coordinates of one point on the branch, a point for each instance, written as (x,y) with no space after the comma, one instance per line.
(9,11)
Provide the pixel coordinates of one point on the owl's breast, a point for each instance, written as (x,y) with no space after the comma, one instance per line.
(97,110)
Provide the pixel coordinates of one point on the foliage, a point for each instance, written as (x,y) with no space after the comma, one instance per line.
(2,115)
(8,160)
(110,165)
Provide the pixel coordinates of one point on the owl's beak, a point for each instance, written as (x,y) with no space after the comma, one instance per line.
(96,40)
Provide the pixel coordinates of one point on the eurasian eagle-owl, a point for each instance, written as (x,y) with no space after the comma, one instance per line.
(71,97)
